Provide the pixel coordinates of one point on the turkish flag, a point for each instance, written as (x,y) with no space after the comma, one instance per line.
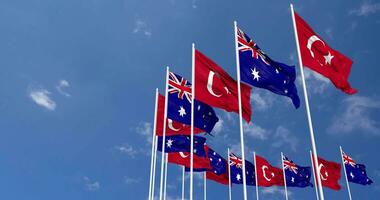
(172,127)
(222,179)
(217,88)
(320,57)
(329,173)
(183,158)
(267,175)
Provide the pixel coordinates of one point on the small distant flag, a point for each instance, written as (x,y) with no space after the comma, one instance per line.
(236,171)
(320,57)
(330,173)
(181,143)
(183,158)
(356,173)
(179,105)
(296,176)
(258,70)
(217,88)
(172,127)
(267,175)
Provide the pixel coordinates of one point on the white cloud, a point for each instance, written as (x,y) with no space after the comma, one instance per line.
(356,116)
(127,149)
(218,126)
(366,8)
(274,191)
(129,180)
(41,97)
(145,129)
(315,82)
(283,137)
(262,100)
(62,84)
(142,28)
(256,131)
(91,185)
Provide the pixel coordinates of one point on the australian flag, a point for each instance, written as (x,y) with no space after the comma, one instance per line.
(236,171)
(179,105)
(356,173)
(296,176)
(217,162)
(258,70)
(181,143)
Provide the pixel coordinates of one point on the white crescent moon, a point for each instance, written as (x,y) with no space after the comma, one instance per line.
(170,125)
(182,154)
(209,84)
(319,169)
(264,174)
(310,42)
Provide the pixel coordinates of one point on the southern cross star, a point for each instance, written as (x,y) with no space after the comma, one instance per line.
(169,143)
(255,74)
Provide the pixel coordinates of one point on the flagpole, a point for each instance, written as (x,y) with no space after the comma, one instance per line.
(257,182)
(240,113)
(314,148)
(153,143)
(229,175)
(204,186)
(154,166)
(315,179)
(166,174)
(283,171)
(164,134)
(192,120)
(183,182)
(345,173)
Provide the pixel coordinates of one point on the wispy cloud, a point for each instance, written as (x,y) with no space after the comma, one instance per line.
(317,83)
(219,126)
(262,100)
(91,185)
(42,98)
(62,85)
(256,131)
(356,116)
(130,180)
(141,27)
(127,149)
(366,8)
(274,191)
(145,129)
(283,137)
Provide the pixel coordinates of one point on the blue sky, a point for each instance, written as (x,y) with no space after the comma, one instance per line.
(77,88)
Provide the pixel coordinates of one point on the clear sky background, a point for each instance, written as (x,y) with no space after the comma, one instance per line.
(77,86)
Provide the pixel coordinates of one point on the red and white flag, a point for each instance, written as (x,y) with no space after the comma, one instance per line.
(217,88)
(320,57)
(330,173)
(267,175)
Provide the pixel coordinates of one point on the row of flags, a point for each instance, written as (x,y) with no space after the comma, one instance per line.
(217,167)
(216,88)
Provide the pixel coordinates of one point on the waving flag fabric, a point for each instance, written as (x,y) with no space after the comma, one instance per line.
(267,175)
(320,57)
(236,171)
(356,173)
(179,105)
(172,127)
(258,70)
(181,143)
(329,173)
(296,176)
(217,88)
(183,158)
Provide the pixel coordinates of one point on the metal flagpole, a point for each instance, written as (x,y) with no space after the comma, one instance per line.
(315,179)
(204,186)
(166,174)
(314,147)
(240,114)
(153,144)
(154,166)
(229,175)
(345,173)
(192,120)
(283,171)
(257,182)
(183,183)
(164,134)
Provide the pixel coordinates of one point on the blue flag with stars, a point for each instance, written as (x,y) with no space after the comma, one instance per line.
(181,143)
(296,176)
(258,70)
(356,173)
(179,105)
(217,162)
(236,166)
